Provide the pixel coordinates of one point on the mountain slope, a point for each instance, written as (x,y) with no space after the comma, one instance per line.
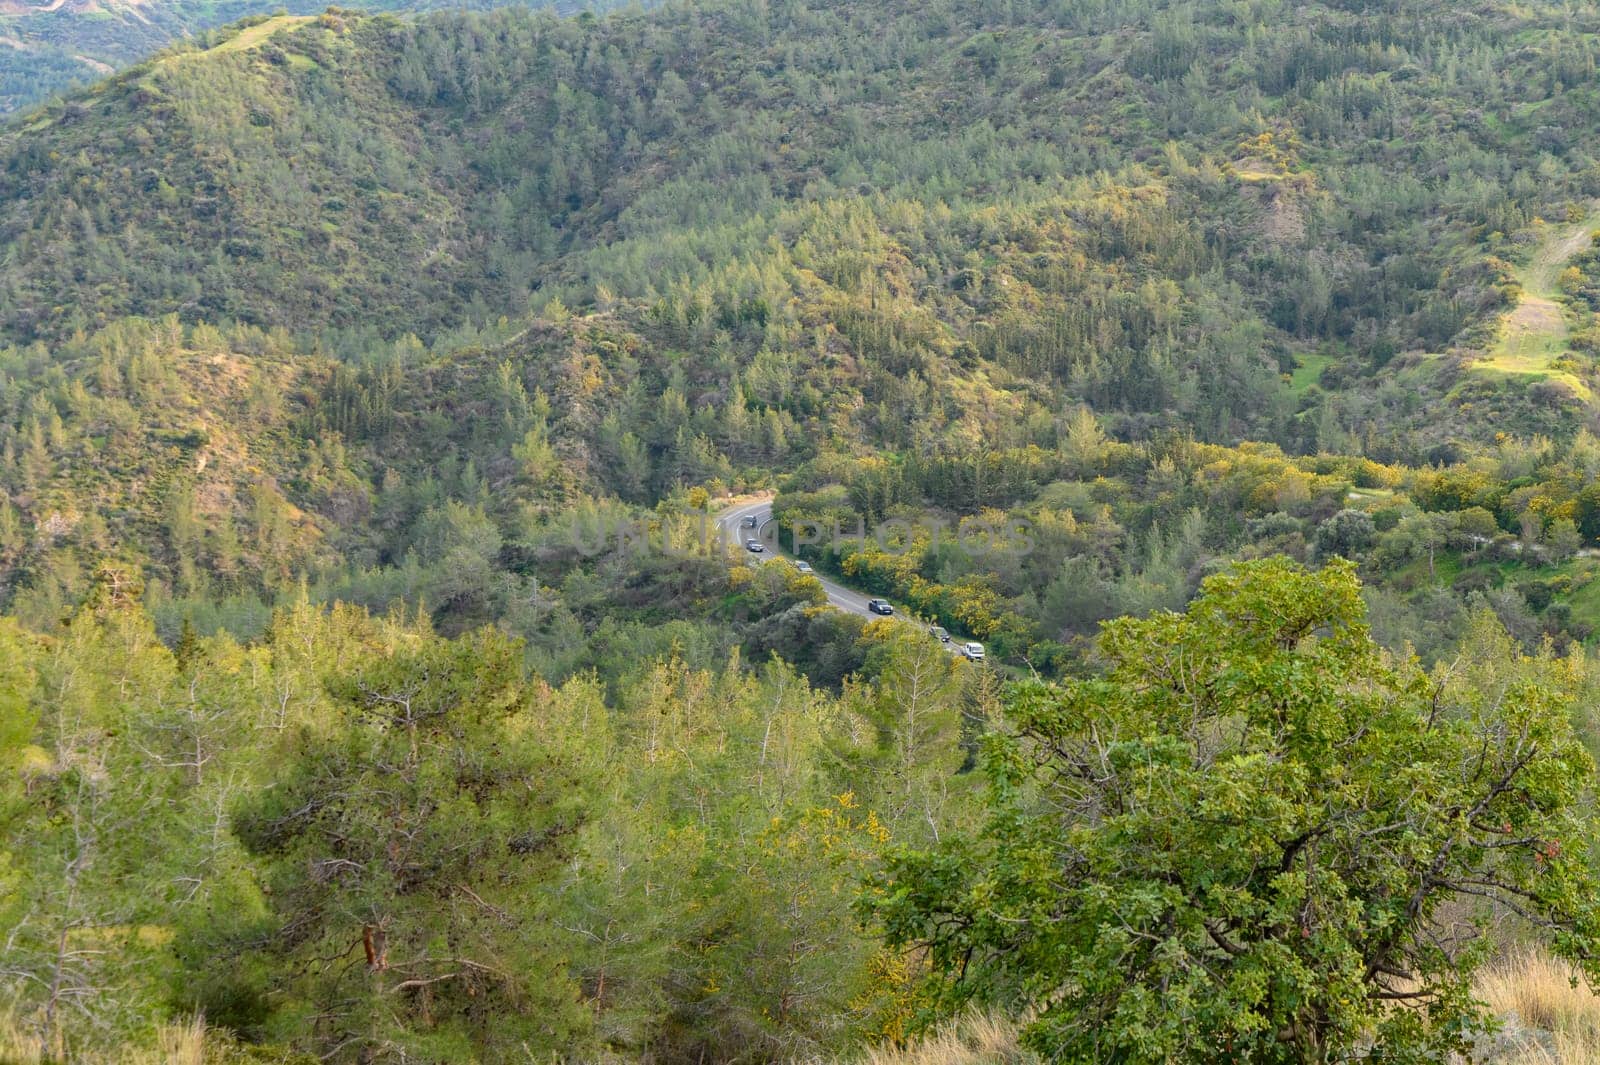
(1313,190)
(528,261)
(376,684)
(50,46)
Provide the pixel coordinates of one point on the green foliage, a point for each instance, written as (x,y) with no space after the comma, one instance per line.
(58,48)
(1259,836)
(1147,265)
(664,861)
(19,759)
(390,370)
(410,829)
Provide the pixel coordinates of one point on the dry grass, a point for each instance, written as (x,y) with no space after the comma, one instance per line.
(971,1040)
(18,1046)
(1548,1021)
(180,1043)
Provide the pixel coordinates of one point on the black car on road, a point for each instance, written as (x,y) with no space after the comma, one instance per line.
(880,606)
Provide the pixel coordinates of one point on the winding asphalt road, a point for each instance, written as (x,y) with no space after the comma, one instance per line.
(735,532)
(731,526)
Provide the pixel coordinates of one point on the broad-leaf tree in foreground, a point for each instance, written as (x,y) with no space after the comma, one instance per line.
(1259,837)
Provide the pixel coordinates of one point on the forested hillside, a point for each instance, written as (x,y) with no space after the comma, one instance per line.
(376,683)
(1348,185)
(48,47)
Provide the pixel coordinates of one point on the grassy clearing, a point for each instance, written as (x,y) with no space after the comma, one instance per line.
(259,33)
(251,37)
(1584,599)
(1306,371)
(1534,334)
(1531,336)
(1255,170)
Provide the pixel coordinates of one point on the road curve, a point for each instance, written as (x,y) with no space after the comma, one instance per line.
(731,525)
(734,533)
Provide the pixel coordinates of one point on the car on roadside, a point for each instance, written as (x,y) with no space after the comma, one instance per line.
(804,567)
(754,546)
(938,633)
(880,606)
(972,652)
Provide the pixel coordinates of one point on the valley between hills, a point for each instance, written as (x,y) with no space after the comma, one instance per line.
(1206,396)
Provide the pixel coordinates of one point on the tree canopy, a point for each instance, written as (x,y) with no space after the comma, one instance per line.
(1260,837)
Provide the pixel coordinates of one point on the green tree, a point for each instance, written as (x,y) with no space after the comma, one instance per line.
(912,705)
(80,970)
(20,760)
(459,544)
(1347,534)
(403,845)
(1240,842)
(1562,539)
